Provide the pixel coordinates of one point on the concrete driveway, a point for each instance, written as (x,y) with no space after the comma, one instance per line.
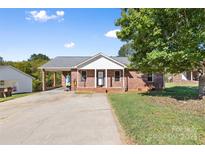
(58,117)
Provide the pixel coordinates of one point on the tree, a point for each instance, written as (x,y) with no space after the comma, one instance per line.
(36,60)
(1,60)
(38,56)
(126,50)
(164,40)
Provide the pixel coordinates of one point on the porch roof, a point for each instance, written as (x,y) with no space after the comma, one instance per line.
(63,62)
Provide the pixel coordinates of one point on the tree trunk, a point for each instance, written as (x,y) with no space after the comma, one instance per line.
(202,86)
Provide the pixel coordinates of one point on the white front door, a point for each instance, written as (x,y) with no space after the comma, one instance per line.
(100,78)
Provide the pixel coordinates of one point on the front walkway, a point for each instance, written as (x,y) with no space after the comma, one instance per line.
(57,117)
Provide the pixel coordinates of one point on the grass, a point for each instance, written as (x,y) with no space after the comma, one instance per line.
(179,91)
(14,96)
(152,119)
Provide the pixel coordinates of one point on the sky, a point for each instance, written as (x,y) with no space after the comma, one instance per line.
(58,32)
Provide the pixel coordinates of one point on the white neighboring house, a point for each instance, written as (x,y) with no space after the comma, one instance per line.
(18,80)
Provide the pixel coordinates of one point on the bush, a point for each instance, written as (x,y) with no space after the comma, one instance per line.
(37,85)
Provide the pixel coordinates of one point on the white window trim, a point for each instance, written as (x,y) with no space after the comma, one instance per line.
(120,75)
(2,85)
(81,75)
(152,77)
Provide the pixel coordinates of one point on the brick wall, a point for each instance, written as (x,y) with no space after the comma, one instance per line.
(90,80)
(63,76)
(73,78)
(137,81)
(111,79)
(133,80)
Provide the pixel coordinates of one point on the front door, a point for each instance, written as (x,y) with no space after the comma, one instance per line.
(100,78)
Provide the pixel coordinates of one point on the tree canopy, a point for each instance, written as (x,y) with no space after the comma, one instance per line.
(164,40)
(126,50)
(1,60)
(38,56)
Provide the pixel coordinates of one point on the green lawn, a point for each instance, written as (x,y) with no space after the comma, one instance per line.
(179,91)
(13,97)
(152,119)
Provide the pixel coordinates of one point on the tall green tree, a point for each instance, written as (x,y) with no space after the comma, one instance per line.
(36,60)
(1,60)
(126,50)
(38,56)
(164,40)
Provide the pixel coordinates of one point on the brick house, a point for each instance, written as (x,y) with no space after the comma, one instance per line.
(101,73)
(190,76)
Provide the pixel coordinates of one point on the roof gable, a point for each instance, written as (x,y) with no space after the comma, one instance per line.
(100,62)
(17,70)
(98,56)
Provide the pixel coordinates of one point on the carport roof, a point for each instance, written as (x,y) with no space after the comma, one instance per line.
(72,61)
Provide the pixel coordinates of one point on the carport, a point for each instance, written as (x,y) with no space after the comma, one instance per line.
(62,65)
(54,72)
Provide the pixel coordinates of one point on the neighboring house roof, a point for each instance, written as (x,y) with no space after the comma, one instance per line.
(11,67)
(73,61)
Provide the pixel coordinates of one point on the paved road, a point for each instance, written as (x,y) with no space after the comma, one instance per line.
(58,117)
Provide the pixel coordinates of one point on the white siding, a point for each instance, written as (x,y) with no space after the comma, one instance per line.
(102,63)
(24,82)
(184,76)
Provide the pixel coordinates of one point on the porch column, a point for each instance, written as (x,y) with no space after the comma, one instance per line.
(54,79)
(105,78)
(95,78)
(191,76)
(43,72)
(77,79)
(123,76)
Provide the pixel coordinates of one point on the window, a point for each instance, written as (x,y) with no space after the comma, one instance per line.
(1,83)
(150,77)
(83,76)
(117,75)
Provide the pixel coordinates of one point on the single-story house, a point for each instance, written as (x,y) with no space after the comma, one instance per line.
(188,76)
(16,79)
(100,73)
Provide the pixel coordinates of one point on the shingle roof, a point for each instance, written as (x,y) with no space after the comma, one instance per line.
(123,60)
(72,61)
(65,61)
(11,67)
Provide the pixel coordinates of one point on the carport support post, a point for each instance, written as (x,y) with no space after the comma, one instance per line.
(54,79)
(191,76)
(95,78)
(106,78)
(43,80)
(123,78)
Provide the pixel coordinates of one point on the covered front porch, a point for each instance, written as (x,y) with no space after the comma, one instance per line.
(87,79)
(100,79)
